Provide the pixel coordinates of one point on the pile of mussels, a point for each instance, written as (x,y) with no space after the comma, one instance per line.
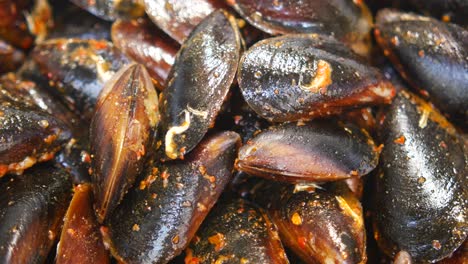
(237,131)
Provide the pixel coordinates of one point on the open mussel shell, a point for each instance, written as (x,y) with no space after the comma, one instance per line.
(80,241)
(179,17)
(324,225)
(199,82)
(122,132)
(431,56)
(236,232)
(309,152)
(113,9)
(32,207)
(28,135)
(158,218)
(303,76)
(142,41)
(348,21)
(78,69)
(421,194)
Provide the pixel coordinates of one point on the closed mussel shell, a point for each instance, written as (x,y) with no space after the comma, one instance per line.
(78,69)
(321,226)
(297,77)
(122,132)
(348,21)
(236,232)
(72,157)
(80,241)
(142,41)
(158,218)
(308,152)
(199,82)
(15,88)
(112,9)
(421,195)
(179,17)
(431,56)
(28,135)
(32,207)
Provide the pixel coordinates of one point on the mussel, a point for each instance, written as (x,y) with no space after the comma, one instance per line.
(199,82)
(77,70)
(324,225)
(348,21)
(143,42)
(28,135)
(307,152)
(32,207)
(236,232)
(421,194)
(80,241)
(122,133)
(159,216)
(431,56)
(304,76)
(179,17)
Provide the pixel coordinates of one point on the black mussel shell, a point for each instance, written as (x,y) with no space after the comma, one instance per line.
(431,56)
(32,207)
(324,225)
(421,195)
(158,218)
(179,17)
(236,232)
(199,83)
(309,152)
(303,76)
(78,69)
(28,135)
(10,57)
(348,21)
